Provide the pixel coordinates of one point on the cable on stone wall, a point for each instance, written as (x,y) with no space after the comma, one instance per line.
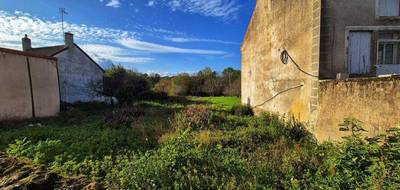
(285,56)
(279,93)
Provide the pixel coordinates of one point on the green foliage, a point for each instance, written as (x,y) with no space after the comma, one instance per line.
(127,86)
(205,83)
(196,117)
(242,110)
(124,117)
(206,148)
(41,153)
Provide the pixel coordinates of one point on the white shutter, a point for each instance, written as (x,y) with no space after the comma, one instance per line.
(359,53)
(389,7)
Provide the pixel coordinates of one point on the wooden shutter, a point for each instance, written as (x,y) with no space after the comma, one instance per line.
(359,53)
(389,7)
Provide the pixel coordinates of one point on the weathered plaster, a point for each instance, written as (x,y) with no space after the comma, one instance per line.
(277,25)
(374,101)
(77,71)
(17,72)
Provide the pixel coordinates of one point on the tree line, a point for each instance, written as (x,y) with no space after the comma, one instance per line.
(204,83)
(128,85)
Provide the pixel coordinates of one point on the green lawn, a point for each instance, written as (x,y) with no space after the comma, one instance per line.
(225,102)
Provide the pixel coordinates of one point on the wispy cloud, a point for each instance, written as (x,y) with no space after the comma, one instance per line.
(114,3)
(101,52)
(185,40)
(226,9)
(103,44)
(14,26)
(157,48)
(47,33)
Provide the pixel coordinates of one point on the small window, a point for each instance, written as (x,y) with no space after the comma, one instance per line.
(388,8)
(388,53)
(388,48)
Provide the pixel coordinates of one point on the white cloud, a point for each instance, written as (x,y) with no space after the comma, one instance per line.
(42,32)
(150,3)
(114,3)
(101,52)
(47,33)
(185,40)
(157,48)
(226,9)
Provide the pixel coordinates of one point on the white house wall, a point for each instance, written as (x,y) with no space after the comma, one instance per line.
(77,72)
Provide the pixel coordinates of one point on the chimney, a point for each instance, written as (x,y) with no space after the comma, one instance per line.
(69,39)
(26,43)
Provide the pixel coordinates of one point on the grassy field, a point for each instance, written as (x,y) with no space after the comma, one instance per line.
(225,102)
(199,143)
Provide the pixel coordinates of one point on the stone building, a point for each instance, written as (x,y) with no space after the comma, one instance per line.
(29,85)
(323,61)
(77,70)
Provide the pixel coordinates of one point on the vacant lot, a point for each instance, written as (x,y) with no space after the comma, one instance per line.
(200,143)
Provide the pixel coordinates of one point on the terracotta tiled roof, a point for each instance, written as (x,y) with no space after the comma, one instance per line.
(48,51)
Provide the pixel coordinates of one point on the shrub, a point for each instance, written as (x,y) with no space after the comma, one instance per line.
(125,85)
(124,117)
(242,110)
(196,117)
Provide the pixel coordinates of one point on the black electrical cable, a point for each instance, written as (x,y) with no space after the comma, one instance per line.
(279,93)
(285,56)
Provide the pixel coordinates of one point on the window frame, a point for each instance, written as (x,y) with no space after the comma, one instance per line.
(379,17)
(383,56)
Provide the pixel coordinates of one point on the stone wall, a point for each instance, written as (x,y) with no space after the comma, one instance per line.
(374,101)
(277,25)
(28,86)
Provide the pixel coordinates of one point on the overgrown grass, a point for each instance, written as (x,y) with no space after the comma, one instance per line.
(190,144)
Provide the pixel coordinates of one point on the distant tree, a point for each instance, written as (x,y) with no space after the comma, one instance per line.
(163,85)
(231,78)
(233,89)
(180,85)
(125,85)
(154,78)
(210,82)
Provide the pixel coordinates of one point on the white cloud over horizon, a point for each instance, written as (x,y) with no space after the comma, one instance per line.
(100,52)
(157,48)
(185,40)
(103,44)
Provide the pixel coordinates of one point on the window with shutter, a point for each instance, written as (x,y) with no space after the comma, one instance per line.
(388,8)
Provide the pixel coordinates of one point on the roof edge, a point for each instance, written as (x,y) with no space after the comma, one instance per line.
(76,45)
(28,54)
(65,48)
(248,25)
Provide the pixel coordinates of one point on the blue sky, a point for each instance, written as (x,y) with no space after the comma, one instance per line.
(152,36)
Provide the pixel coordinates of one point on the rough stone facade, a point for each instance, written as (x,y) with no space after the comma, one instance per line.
(277,25)
(77,72)
(315,34)
(374,101)
(28,86)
